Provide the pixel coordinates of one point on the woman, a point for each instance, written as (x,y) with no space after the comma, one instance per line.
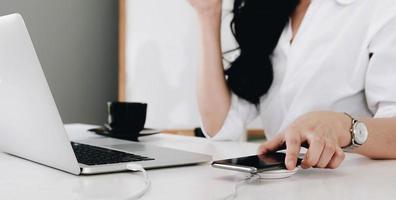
(320,74)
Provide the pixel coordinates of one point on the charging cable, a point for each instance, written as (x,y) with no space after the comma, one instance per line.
(251,178)
(147,183)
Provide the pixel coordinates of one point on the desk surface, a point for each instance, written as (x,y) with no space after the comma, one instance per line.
(357,178)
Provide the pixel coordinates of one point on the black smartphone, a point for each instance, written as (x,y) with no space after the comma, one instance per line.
(255,163)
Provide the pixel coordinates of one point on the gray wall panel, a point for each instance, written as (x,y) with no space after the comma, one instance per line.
(77,43)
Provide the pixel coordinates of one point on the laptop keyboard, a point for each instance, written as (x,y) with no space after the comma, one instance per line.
(93,155)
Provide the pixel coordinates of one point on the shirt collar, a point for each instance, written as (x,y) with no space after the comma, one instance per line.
(345,2)
(342,2)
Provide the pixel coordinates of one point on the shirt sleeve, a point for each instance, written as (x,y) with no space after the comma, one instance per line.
(381,73)
(241,113)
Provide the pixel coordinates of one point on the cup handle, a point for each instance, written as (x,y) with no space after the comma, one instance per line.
(108,127)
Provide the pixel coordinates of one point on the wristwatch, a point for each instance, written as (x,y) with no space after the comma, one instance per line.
(359,134)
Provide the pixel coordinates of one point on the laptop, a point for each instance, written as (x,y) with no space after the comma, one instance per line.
(31,127)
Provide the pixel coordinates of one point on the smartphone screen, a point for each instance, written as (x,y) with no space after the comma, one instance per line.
(255,163)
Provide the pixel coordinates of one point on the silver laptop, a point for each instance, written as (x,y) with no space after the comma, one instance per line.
(31,127)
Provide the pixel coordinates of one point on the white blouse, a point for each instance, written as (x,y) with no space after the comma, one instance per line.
(342,59)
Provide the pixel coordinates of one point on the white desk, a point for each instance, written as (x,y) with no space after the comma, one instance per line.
(358,177)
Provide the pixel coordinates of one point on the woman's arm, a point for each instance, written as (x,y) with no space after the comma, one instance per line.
(214,97)
(326,133)
(381,143)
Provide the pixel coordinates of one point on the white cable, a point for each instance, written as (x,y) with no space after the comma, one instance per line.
(248,180)
(147,183)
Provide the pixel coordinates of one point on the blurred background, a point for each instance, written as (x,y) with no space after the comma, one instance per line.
(94,51)
(77,44)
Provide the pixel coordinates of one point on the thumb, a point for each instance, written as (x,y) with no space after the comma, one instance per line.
(272,145)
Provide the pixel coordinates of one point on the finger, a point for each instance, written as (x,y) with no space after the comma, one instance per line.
(337,159)
(272,145)
(316,146)
(293,146)
(327,155)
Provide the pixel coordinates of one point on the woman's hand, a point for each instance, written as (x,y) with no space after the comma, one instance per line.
(323,133)
(206,6)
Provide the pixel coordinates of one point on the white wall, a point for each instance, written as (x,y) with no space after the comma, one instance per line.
(162,58)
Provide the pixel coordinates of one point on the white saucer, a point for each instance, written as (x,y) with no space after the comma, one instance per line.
(148,131)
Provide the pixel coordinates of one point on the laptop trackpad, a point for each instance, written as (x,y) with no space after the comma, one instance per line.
(133,147)
(160,153)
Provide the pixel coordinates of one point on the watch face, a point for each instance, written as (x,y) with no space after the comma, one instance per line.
(361,133)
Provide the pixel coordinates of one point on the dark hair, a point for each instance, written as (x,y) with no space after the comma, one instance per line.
(257,26)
